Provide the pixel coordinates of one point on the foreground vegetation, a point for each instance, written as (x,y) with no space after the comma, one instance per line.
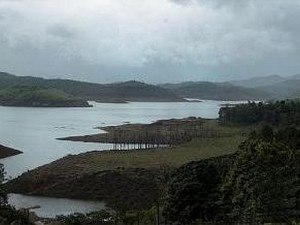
(8,214)
(279,113)
(259,184)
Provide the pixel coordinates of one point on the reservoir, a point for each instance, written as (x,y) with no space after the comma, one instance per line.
(34,132)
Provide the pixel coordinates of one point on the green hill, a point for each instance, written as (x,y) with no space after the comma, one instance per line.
(216,91)
(284,89)
(34,96)
(115,92)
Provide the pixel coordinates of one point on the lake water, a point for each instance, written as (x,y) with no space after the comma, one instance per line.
(34,131)
(51,207)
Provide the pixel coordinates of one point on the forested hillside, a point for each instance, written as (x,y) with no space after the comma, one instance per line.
(259,184)
(34,96)
(284,113)
(115,92)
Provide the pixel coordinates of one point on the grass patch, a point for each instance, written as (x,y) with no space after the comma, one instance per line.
(226,141)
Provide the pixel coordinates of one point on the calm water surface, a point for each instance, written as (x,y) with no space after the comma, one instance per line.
(34,131)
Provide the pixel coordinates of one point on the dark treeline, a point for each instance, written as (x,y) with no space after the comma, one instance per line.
(259,184)
(280,112)
(148,139)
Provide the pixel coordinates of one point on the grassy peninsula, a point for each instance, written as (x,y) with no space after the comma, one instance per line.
(114,176)
(158,134)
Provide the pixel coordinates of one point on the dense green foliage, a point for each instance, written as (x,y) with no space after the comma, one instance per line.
(261,184)
(194,191)
(3,196)
(275,113)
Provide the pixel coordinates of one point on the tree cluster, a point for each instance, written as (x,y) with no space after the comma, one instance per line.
(259,184)
(275,113)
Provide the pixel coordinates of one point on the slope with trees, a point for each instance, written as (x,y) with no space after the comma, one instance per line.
(115,92)
(259,185)
(276,113)
(33,96)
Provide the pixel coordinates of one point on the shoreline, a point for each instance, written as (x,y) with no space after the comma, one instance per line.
(114,176)
(6,152)
(162,133)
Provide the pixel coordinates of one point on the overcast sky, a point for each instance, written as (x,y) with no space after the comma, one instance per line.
(150,40)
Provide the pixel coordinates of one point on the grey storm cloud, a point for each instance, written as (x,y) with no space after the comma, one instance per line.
(158,40)
(61,30)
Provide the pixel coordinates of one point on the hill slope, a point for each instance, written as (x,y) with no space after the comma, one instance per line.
(33,96)
(215,91)
(115,92)
(285,89)
(258,81)
(277,86)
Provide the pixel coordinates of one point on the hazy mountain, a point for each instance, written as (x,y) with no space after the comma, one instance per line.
(295,77)
(284,89)
(216,91)
(278,87)
(259,81)
(115,92)
(271,87)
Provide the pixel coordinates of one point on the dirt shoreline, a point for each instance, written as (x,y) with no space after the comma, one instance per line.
(120,188)
(123,188)
(7,152)
(124,178)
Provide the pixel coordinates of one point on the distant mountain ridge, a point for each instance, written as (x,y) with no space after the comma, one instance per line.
(258,81)
(216,91)
(258,88)
(115,92)
(278,87)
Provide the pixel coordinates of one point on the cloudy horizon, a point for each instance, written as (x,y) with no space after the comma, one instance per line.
(150,40)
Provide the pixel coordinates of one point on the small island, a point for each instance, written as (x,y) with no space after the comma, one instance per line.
(34,96)
(7,152)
